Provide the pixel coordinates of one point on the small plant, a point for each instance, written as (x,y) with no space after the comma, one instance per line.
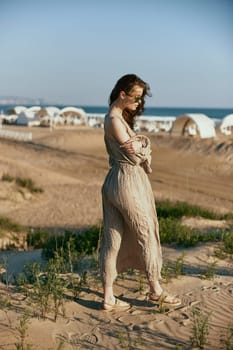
(94,260)
(46,288)
(166,270)
(228,242)
(140,283)
(56,287)
(22,333)
(210,272)
(140,280)
(22,182)
(200,328)
(161,307)
(7,177)
(77,284)
(219,252)
(5,275)
(37,238)
(171,230)
(72,255)
(166,208)
(7,224)
(173,269)
(61,345)
(37,290)
(28,183)
(127,343)
(85,242)
(179,347)
(138,342)
(229,340)
(124,342)
(179,265)
(6,305)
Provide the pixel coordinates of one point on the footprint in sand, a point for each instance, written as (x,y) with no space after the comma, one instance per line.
(89,338)
(180,317)
(211,288)
(229,288)
(77,339)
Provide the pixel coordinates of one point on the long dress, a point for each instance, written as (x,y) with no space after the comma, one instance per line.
(130,237)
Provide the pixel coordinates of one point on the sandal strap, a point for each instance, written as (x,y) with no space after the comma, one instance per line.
(163,296)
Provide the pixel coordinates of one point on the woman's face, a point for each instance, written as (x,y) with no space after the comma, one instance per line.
(133,98)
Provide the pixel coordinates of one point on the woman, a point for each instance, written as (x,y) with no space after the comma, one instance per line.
(130,226)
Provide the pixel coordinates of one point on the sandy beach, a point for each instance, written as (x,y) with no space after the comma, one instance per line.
(70,166)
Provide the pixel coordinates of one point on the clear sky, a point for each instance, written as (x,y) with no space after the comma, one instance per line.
(72,52)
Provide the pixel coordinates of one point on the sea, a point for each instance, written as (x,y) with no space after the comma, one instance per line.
(215,113)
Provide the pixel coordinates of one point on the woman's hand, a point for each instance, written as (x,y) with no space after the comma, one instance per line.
(132,146)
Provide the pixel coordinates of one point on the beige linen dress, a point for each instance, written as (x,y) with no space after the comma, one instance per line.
(130,236)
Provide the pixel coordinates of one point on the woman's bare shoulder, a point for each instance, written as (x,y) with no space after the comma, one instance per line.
(114,122)
(116,129)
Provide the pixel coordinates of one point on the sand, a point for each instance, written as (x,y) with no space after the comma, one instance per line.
(70,166)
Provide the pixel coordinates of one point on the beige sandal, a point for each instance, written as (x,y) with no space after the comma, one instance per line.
(164,298)
(118,306)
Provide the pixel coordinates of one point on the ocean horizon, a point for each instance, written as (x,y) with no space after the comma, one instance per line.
(170,111)
(214,113)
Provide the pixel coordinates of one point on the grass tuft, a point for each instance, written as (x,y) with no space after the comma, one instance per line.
(200,328)
(168,209)
(7,177)
(29,184)
(7,224)
(23,182)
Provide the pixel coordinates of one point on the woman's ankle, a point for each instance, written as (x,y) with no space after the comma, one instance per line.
(109,295)
(156,289)
(109,300)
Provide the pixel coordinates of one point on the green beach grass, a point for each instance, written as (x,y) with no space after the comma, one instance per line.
(171,231)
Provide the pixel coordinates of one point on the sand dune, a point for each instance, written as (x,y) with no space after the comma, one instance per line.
(70,166)
(145,325)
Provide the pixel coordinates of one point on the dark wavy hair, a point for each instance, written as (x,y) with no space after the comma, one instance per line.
(126,83)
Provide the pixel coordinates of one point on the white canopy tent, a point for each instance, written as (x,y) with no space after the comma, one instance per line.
(96,120)
(12,114)
(34,109)
(19,109)
(155,123)
(192,124)
(226,125)
(73,115)
(28,118)
(16,110)
(47,115)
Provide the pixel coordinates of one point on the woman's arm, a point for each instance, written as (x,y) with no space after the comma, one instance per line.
(117,130)
(137,148)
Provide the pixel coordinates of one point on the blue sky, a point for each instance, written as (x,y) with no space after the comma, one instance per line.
(72,52)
